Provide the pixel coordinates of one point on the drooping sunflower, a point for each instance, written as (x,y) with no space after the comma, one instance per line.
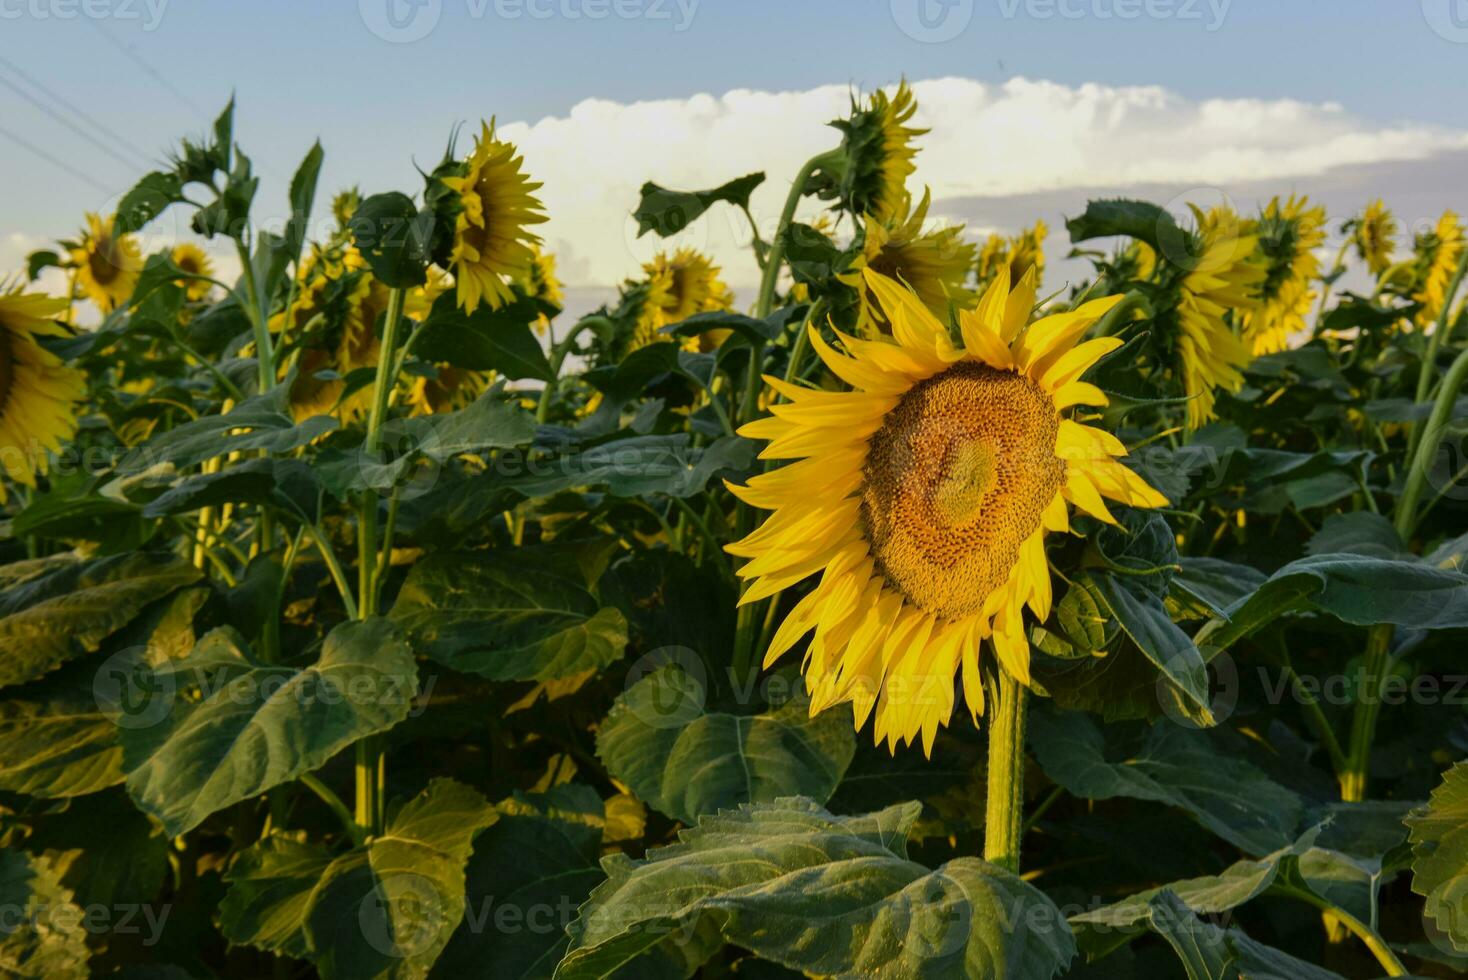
(107,264)
(1437,255)
(492,241)
(1021,253)
(191,259)
(1225,276)
(867,174)
(1374,236)
(1288,235)
(922,499)
(543,285)
(679,286)
(38,393)
(935,264)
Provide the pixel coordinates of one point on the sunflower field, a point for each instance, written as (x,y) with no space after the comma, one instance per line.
(363,616)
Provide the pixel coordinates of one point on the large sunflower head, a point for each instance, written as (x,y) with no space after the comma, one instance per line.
(922,498)
(107,264)
(1021,253)
(934,264)
(191,259)
(1437,256)
(38,393)
(496,205)
(679,286)
(1225,276)
(868,175)
(1373,234)
(1288,234)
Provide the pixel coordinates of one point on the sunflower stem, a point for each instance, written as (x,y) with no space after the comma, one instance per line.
(776,256)
(1119,314)
(558,354)
(1004,812)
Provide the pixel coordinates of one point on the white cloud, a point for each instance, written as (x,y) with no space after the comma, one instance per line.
(1022,136)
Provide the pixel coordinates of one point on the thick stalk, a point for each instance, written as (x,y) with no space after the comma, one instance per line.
(1004,813)
(370,767)
(1378,641)
(776,257)
(558,354)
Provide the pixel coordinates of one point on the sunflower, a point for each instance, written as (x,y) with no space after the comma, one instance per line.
(1288,235)
(452,388)
(191,259)
(679,286)
(1373,234)
(879,150)
(1021,253)
(1226,277)
(934,264)
(492,245)
(1438,253)
(38,393)
(107,265)
(923,497)
(542,284)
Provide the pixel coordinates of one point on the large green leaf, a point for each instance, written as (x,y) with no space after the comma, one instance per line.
(686,761)
(1145,620)
(1169,764)
(43,937)
(833,896)
(1362,590)
(385,909)
(1141,220)
(57,741)
(257,725)
(528,874)
(63,608)
(286,484)
(508,615)
(489,339)
(260,422)
(1439,835)
(667,212)
(638,466)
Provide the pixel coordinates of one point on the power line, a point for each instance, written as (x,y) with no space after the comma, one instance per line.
(90,120)
(149,69)
(58,117)
(55,161)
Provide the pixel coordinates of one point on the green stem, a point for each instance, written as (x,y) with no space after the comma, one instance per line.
(776,256)
(338,575)
(1120,314)
(259,320)
(1004,813)
(1361,930)
(335,804)
(559,352)
(1337,269)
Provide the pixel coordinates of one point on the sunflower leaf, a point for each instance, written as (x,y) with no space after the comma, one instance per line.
(394,237)
(1439,836)
(31,891)
(486,340)
(667,212)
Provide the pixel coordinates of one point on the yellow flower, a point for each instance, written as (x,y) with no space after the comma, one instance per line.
(1438,254)
(679,286)
(879,142)
(107,265)
(38,393)
(492,243)
(1288,235)
(452,389)
(1226,277)
(543,285)
(1374,235)
(922,498)
(934,264)
(1021,253)
(191,259)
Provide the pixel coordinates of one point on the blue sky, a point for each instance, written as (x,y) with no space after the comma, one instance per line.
(151,70)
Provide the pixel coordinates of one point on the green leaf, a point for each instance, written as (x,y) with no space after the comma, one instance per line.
(385,909)
(1084,615)
(828,895)
(1172,765)
(667,212)
(638,466)
(1201,947)
(31,892)
(507,615)
(303,196)
(528,874)
(1357,533)
(289,485)
(259,422)
(1144,618)
(1141,220)
(486,340)
(686,761)
(394,237)
(146,201)
(65,608)
(1358,589)
(56,740)
(754,331)
(105,850)
(256,725)
(1215,584)
(1439,836)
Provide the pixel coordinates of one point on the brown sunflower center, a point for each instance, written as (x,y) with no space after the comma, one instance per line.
(103,261)
(7,366)
(955,481)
